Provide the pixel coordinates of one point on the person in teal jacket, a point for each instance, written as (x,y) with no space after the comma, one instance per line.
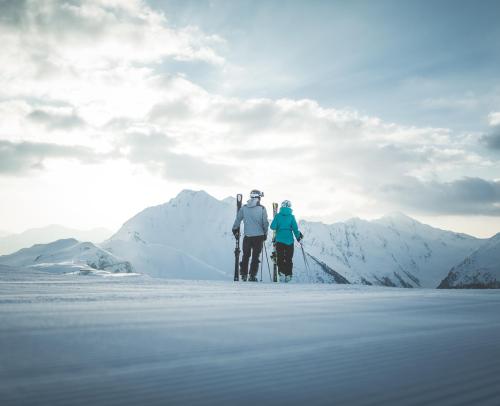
(285,225)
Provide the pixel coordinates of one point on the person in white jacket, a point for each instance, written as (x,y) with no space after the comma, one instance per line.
(256,224)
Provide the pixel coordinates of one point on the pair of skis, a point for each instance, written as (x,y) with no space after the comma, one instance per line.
(274,255)
(239,199)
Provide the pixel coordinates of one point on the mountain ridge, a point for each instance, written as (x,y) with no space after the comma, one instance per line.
(480,270)
(189,237)
(66,255)
(395,250)
(46,234)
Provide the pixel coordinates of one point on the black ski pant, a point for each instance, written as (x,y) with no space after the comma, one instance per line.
(252,246)
(284,253)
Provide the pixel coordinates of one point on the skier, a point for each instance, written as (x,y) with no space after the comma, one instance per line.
(286,227)
(255,223)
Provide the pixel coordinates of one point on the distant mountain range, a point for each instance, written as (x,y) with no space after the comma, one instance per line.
(10,243)
(190,237)
(67,255)
(395,250)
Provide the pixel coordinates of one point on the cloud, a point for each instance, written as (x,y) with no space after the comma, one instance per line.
(184,167)
(95,33)
(492,139)
(156,152)
(17,158)
(467,196)
(494,118)
(100,70)
(99,56)
(347,155)
(56,120)
(12,12)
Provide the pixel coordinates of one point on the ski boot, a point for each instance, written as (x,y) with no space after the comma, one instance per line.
(288,278)
(282,277)
(244,277)
(253,278)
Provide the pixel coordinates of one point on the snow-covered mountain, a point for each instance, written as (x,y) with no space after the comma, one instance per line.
(190,237)
(479,270)
(395,250)
(10,243)
(66,256)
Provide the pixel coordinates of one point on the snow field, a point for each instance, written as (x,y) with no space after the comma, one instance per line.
(72,339)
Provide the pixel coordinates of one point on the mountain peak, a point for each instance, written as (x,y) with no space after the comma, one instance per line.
(399,216)
(189,193)
(229,200)
(188,196)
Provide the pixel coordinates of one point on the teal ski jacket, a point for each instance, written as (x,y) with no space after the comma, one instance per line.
(284,224)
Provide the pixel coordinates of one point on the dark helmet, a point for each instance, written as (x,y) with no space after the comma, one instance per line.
(256,193)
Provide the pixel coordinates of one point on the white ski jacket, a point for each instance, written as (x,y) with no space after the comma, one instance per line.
(254,218)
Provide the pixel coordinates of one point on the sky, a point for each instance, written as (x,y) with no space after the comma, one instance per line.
(346,108)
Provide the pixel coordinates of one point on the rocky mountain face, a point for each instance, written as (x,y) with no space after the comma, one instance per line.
(481,269)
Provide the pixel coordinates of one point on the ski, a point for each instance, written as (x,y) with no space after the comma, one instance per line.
(273,254)
(239,199)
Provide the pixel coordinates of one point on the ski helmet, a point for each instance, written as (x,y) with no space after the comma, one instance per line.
(286,203)
(256,193)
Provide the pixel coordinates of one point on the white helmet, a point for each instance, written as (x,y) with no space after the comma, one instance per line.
(286,203)
(256,193)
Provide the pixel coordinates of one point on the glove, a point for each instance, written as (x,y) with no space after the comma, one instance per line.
(236,233)
(301,236)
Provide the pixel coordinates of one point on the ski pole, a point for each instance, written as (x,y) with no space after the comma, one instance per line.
(261,263)
(268,267)
(305,261)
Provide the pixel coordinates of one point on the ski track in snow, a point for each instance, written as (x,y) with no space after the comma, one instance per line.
(87,340)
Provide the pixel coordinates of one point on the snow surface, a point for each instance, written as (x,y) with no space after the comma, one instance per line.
(87,340)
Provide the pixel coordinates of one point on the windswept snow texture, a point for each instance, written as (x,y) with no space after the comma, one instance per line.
(85,340)
(190,238)
(480,270)
(66,255)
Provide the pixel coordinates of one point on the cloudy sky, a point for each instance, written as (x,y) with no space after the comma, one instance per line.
(347,108)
